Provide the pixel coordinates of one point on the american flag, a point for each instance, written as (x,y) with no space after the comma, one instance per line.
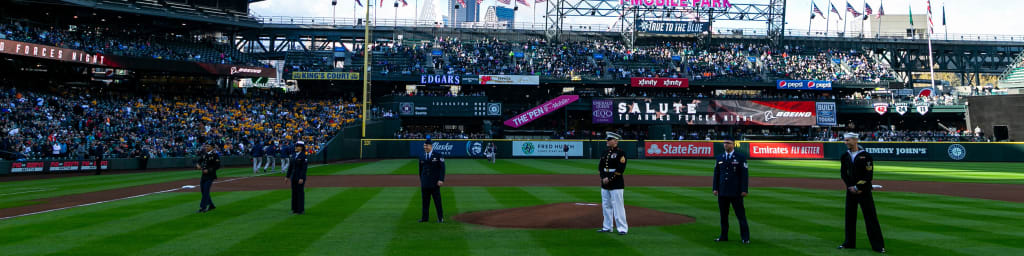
(360,3)
(881,10)
(404,3)
(505,1)
(850,9)
(461,3)
(931,25)
(867,10)
(536,1)
(523,2)
(815,10)
(836,11)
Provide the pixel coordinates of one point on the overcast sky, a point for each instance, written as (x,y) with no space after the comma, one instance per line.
(963,16)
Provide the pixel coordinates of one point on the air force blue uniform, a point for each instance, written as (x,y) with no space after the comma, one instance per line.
(431,171)
(296,172)
(731,182)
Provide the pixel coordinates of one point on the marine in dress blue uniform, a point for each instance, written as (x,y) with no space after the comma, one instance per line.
(730,186)
(431,178)
(856,169)
(297,178)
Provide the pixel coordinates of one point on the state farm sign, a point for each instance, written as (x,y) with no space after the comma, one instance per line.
(678,149)
(786,150)
(659,82)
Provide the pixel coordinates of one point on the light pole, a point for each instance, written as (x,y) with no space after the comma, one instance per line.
(334,12)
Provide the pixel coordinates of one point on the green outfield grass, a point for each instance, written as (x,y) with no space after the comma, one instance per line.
(20,193)
(381,221)
(1007,173)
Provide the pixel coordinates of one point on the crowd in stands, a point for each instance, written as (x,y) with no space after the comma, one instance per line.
(70,122)
(614,60)
(125,41)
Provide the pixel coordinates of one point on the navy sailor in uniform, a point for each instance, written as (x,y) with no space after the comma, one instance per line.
(730,186)
(297,178)
(611,168)
(431,179)
(857,169)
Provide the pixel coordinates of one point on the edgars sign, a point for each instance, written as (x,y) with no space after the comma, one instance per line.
(440,79)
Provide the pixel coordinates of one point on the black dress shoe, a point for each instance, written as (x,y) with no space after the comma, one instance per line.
(721,239)
(746,241)
(440,220)
(622,233)
(604,230)
(880,251)
(211,208)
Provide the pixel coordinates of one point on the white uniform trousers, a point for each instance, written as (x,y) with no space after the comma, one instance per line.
(614,210)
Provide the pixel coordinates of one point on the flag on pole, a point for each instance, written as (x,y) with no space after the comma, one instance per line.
(881,10)
(867,11)
(462,3)
(834,10)
(931,24)
(943,14)
(360,3)
(536,1)
(815,10)
(523,2)
(404,3)
(505,1)
(850,9)
(911,11)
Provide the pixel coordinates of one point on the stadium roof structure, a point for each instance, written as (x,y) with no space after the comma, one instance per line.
(171,10)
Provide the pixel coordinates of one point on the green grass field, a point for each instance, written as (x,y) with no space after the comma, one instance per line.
(381,221)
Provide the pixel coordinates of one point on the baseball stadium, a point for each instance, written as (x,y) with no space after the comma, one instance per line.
(526,127)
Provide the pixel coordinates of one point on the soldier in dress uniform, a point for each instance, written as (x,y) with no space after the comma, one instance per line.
(856,169)
(297,178)
(431,179)
(611,168)
(730,186)
(209,162)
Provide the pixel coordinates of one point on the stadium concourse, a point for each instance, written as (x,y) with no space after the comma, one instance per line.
(310,136)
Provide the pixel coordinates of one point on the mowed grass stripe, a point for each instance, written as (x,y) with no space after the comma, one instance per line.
(697,237)
(368,229)
(241,228)
(484,240)
(430,238)
(409,167)
(518,166)
(377,167)
(981,209)
(39,238)
(476,166)
(765,233)
(920,223)
(302,230)
(818,215)
(176,224)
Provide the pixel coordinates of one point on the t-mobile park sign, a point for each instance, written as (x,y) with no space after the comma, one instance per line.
(679,3)
(542,110)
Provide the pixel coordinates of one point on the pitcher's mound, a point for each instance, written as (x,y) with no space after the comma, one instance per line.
(568,215)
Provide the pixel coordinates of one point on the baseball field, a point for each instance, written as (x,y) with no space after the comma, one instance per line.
(795,207)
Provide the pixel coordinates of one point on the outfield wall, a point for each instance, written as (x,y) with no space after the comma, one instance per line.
(902,151)
(348,147)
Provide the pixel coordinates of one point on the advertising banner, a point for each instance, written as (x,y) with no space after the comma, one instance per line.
(679,149)
(659,82)
(899,151)
(50,53)
(449,148)
(786,150)
(705,112)
(440,79)
(64,166)
(826,113)
(509,80)
(546,148)
(23,167)
(542,110)
(804,85)
(672,27)
(325,76)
